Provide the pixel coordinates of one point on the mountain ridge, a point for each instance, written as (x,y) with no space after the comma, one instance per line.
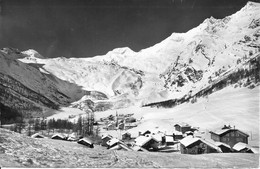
(182,64)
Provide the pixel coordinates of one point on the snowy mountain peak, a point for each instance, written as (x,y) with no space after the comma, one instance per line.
(123,50)
(181,64)
(33,54)
(251,5)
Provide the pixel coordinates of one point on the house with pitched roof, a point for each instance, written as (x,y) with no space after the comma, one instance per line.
(116,144)
(194,145)
(37,135)
(229,135)
(59,136)
(182,127)
(105,138)
(86,142)
(147,142)
(244,148)
(224,147)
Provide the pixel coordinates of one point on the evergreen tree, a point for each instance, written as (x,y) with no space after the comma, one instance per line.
(79,125)
(37,125)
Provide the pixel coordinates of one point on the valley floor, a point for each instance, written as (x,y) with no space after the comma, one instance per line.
(20,151)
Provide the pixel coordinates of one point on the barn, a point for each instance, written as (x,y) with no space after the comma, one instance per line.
(37,135)
(58,137)
(194,145)
(230,136)
(244,148)
(86,142)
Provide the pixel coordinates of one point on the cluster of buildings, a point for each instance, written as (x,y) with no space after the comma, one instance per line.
(68,137)
(186,138)
(120,122)
(182,138)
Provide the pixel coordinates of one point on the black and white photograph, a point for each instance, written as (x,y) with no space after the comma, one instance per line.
(129,83)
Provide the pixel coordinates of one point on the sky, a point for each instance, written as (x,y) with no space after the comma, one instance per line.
(86,28)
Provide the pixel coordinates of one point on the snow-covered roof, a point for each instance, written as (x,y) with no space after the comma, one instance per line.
(223,131)
(86,140)
(58,135)
(240,146)
(220,132)
(168,139)
(188,132)
(126,133)
(141,140)
(211,143)
(112,141)
(157,137)
(106,135)
(182,124)
(144,131)
(37,135)
(71,138)
(186,141)
(177,133)
(223,144)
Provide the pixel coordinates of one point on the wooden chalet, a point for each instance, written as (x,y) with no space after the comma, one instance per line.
(148,143)
(194,145)
(86,142)
(182,127)
(230,136)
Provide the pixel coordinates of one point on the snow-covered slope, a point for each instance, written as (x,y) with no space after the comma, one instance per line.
(236,106)
(29,87)
(182,64)
(169,69)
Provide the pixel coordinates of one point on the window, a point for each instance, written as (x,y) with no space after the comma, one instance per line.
(237,135)
(232,134)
